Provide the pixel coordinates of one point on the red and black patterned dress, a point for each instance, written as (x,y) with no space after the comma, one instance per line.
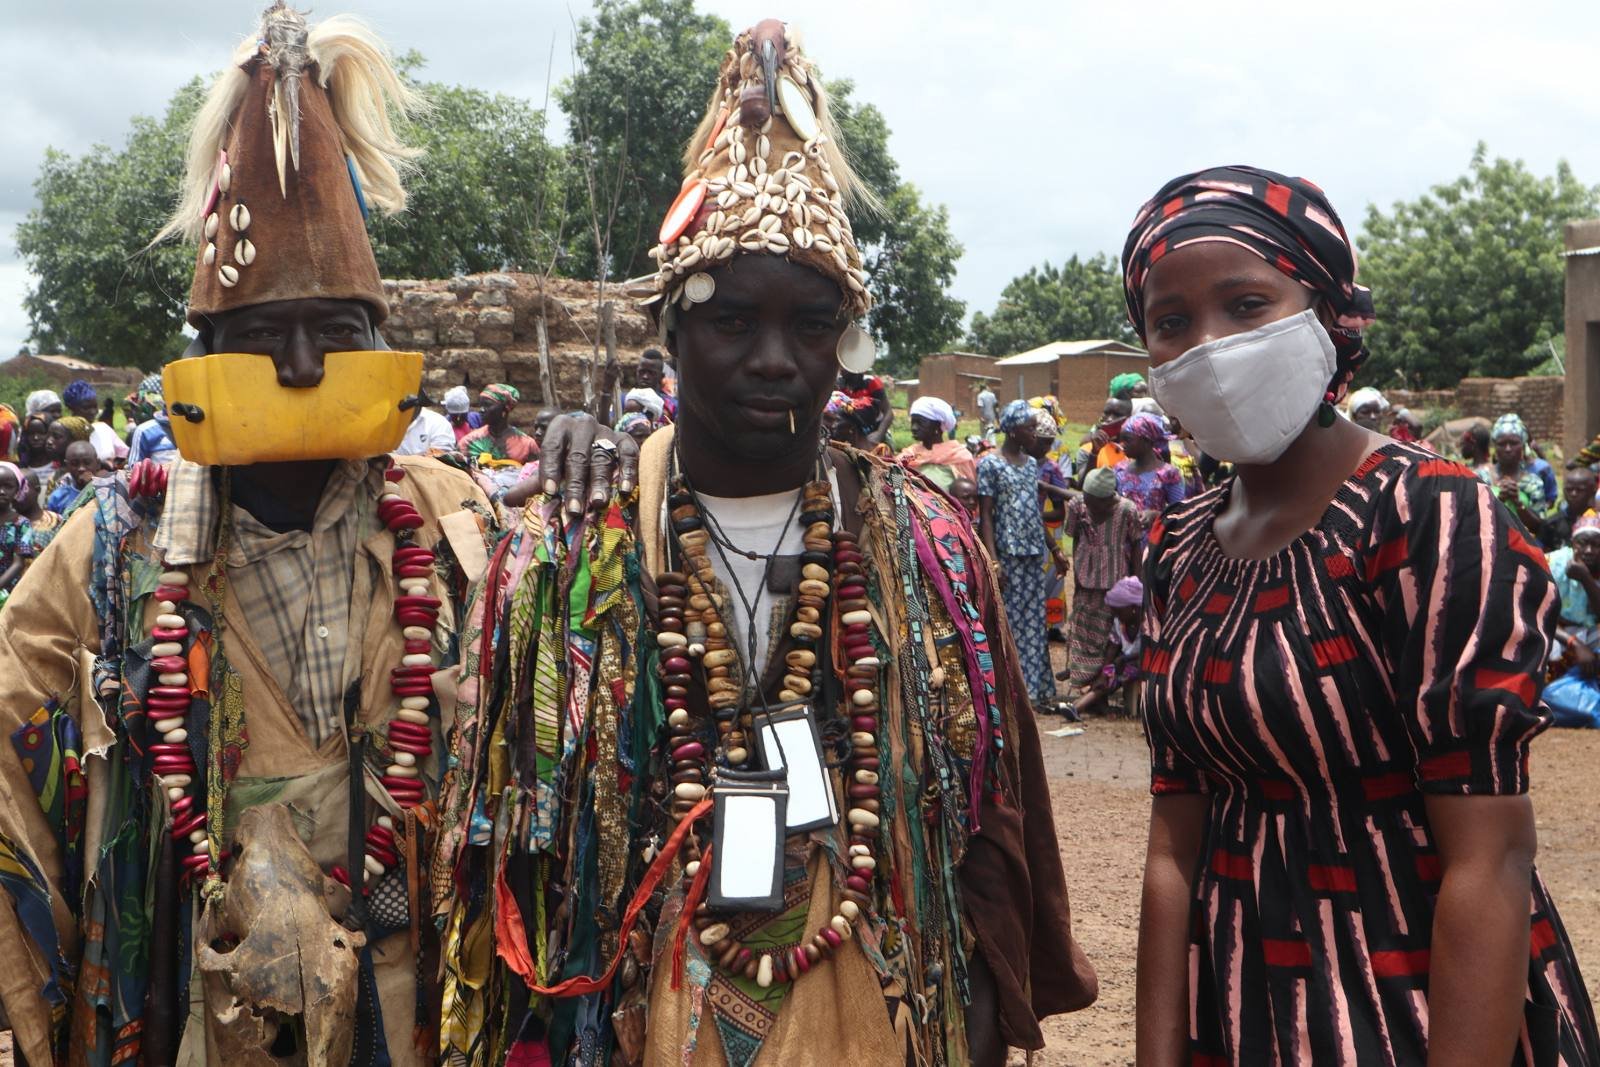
(1317,696)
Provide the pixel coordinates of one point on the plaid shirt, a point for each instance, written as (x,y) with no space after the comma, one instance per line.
(294,588)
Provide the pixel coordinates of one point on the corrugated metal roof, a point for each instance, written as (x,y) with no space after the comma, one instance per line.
(1049,353)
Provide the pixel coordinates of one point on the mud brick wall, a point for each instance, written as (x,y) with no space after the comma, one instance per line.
(1538,400)
(479,328)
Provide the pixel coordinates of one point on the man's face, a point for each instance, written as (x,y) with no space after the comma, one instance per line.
(651,372)
(756,362)
(1115,411)
(1508,449)
(541,422)
(297,334)
(1578,487)
(82,463)
(1099,506)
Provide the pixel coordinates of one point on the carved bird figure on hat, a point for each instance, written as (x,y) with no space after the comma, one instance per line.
(758,100)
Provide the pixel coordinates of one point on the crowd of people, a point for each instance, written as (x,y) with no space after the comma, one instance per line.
(703,729)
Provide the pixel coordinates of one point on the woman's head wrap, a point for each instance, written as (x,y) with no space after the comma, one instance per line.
(1146,426)
(1288,222)
(79,392)
(1015,415)
(763,173)
(935,410)
(498,393)
(1128,593)
(1586,525)
(456,400)
(1045,425)
(839,404)
(16,472)
(649,400)
(632,419)
(1123,385)
(1365,397)
(77,428)
(1509,425)
(40,399)
(1100,482)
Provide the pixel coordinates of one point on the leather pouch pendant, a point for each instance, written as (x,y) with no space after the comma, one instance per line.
(748,827)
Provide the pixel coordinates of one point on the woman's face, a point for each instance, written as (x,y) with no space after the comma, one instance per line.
(36,434)
(1208,291)
(58,441)
(8,489)
(1508,450)
(1134,446)
(1368,415)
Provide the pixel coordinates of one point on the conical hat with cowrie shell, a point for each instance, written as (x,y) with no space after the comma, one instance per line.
(291,149)
(764,174)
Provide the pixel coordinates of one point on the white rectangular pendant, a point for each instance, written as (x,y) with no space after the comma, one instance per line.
(747,841)
(789,743)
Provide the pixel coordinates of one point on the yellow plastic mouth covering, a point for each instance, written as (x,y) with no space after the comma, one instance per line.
(229,409)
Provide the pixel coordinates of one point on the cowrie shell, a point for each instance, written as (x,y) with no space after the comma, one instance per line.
(245,252)
(228,275)
(239,217)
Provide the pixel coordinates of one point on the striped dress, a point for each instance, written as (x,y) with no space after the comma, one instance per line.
(1316,696)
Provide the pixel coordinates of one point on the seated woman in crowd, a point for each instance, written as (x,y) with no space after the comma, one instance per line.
(1120,668)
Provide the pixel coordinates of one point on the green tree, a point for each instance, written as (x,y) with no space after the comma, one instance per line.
(488,193)
(644,74)
(907,248)
(1080,299)
(97,294)
(910,270)
(1467,278)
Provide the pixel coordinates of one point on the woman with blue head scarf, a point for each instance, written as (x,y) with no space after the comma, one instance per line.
(1011,521)
(1511,471)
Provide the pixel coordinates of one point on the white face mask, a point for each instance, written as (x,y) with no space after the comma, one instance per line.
(1245,398)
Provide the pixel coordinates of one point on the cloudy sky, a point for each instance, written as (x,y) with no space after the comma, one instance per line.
(1041,124)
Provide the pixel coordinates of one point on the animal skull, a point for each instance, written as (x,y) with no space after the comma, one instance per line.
(292,958)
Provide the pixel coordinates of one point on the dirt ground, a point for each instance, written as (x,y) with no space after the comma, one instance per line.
(1099,792)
